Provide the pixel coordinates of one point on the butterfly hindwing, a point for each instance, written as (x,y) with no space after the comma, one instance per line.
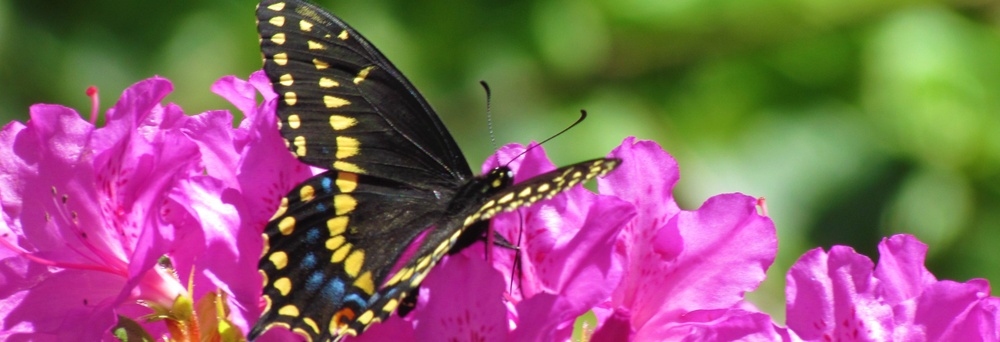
(343,105)
(331,246)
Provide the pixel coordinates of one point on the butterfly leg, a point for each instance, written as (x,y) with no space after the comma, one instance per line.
(409,302)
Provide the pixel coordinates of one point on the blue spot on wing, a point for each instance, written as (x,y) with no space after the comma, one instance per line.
(314,281)
(313,235)
(309,261)
(327,184)
(354,297)
(333,291)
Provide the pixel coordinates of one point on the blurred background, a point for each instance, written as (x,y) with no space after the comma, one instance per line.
(855,119)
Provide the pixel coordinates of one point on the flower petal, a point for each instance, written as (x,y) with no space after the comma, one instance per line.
(901,268)
(727,250)
(463,302)
(832,296)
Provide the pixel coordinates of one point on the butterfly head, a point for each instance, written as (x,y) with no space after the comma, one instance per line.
(497,179)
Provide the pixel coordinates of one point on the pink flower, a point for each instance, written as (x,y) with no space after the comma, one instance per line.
(685,272)
(89,212)
(842,296)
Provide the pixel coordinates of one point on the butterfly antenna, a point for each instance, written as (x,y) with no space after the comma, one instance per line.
(583,116)
(489,117)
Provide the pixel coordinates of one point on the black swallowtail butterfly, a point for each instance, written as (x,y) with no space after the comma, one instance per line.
(333,260)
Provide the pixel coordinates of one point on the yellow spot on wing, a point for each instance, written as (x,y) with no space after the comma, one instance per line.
(320,65)
(340,253)
(343,35)
(335,242)
(294,121)
(300,146)
(278,6)
(313,45)
(337,225)
(354,262)
(267,247)
(286,80)
(305,25)
(280,58)
(282,208)
(291,98)
(278,21)
(395,279)
(278,38)
(340,122)
(391,305)
(423,262)
(543,187)
(347,181)
(279,259)
(363,74)
(307,193)
(289,310)
(334,102)
(283,285)
(407,273)
(348,167)
(286,225)
(443,247)
(364,282)
(524,193)
(366,317)
(311,323)
(344,203)
(417,279)
(506,198)
(326,82)
(347,147)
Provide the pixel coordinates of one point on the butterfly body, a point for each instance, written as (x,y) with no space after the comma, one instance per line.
(349,246)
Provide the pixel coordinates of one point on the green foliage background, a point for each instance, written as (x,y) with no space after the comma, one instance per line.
(855,119)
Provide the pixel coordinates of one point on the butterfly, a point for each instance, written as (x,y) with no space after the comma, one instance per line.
(350,246)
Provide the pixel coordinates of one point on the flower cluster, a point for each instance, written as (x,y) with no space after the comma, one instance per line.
(150,226)
(153,217)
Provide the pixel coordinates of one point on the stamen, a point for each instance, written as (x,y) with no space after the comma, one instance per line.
(94,103)
(762,204)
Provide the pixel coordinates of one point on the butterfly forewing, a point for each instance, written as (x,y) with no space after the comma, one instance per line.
(342,105)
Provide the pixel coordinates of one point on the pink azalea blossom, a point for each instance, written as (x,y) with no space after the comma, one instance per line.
(841,296)
(685,272)
(89,211)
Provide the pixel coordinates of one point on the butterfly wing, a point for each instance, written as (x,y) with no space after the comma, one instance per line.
(342,105)
(331,247)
